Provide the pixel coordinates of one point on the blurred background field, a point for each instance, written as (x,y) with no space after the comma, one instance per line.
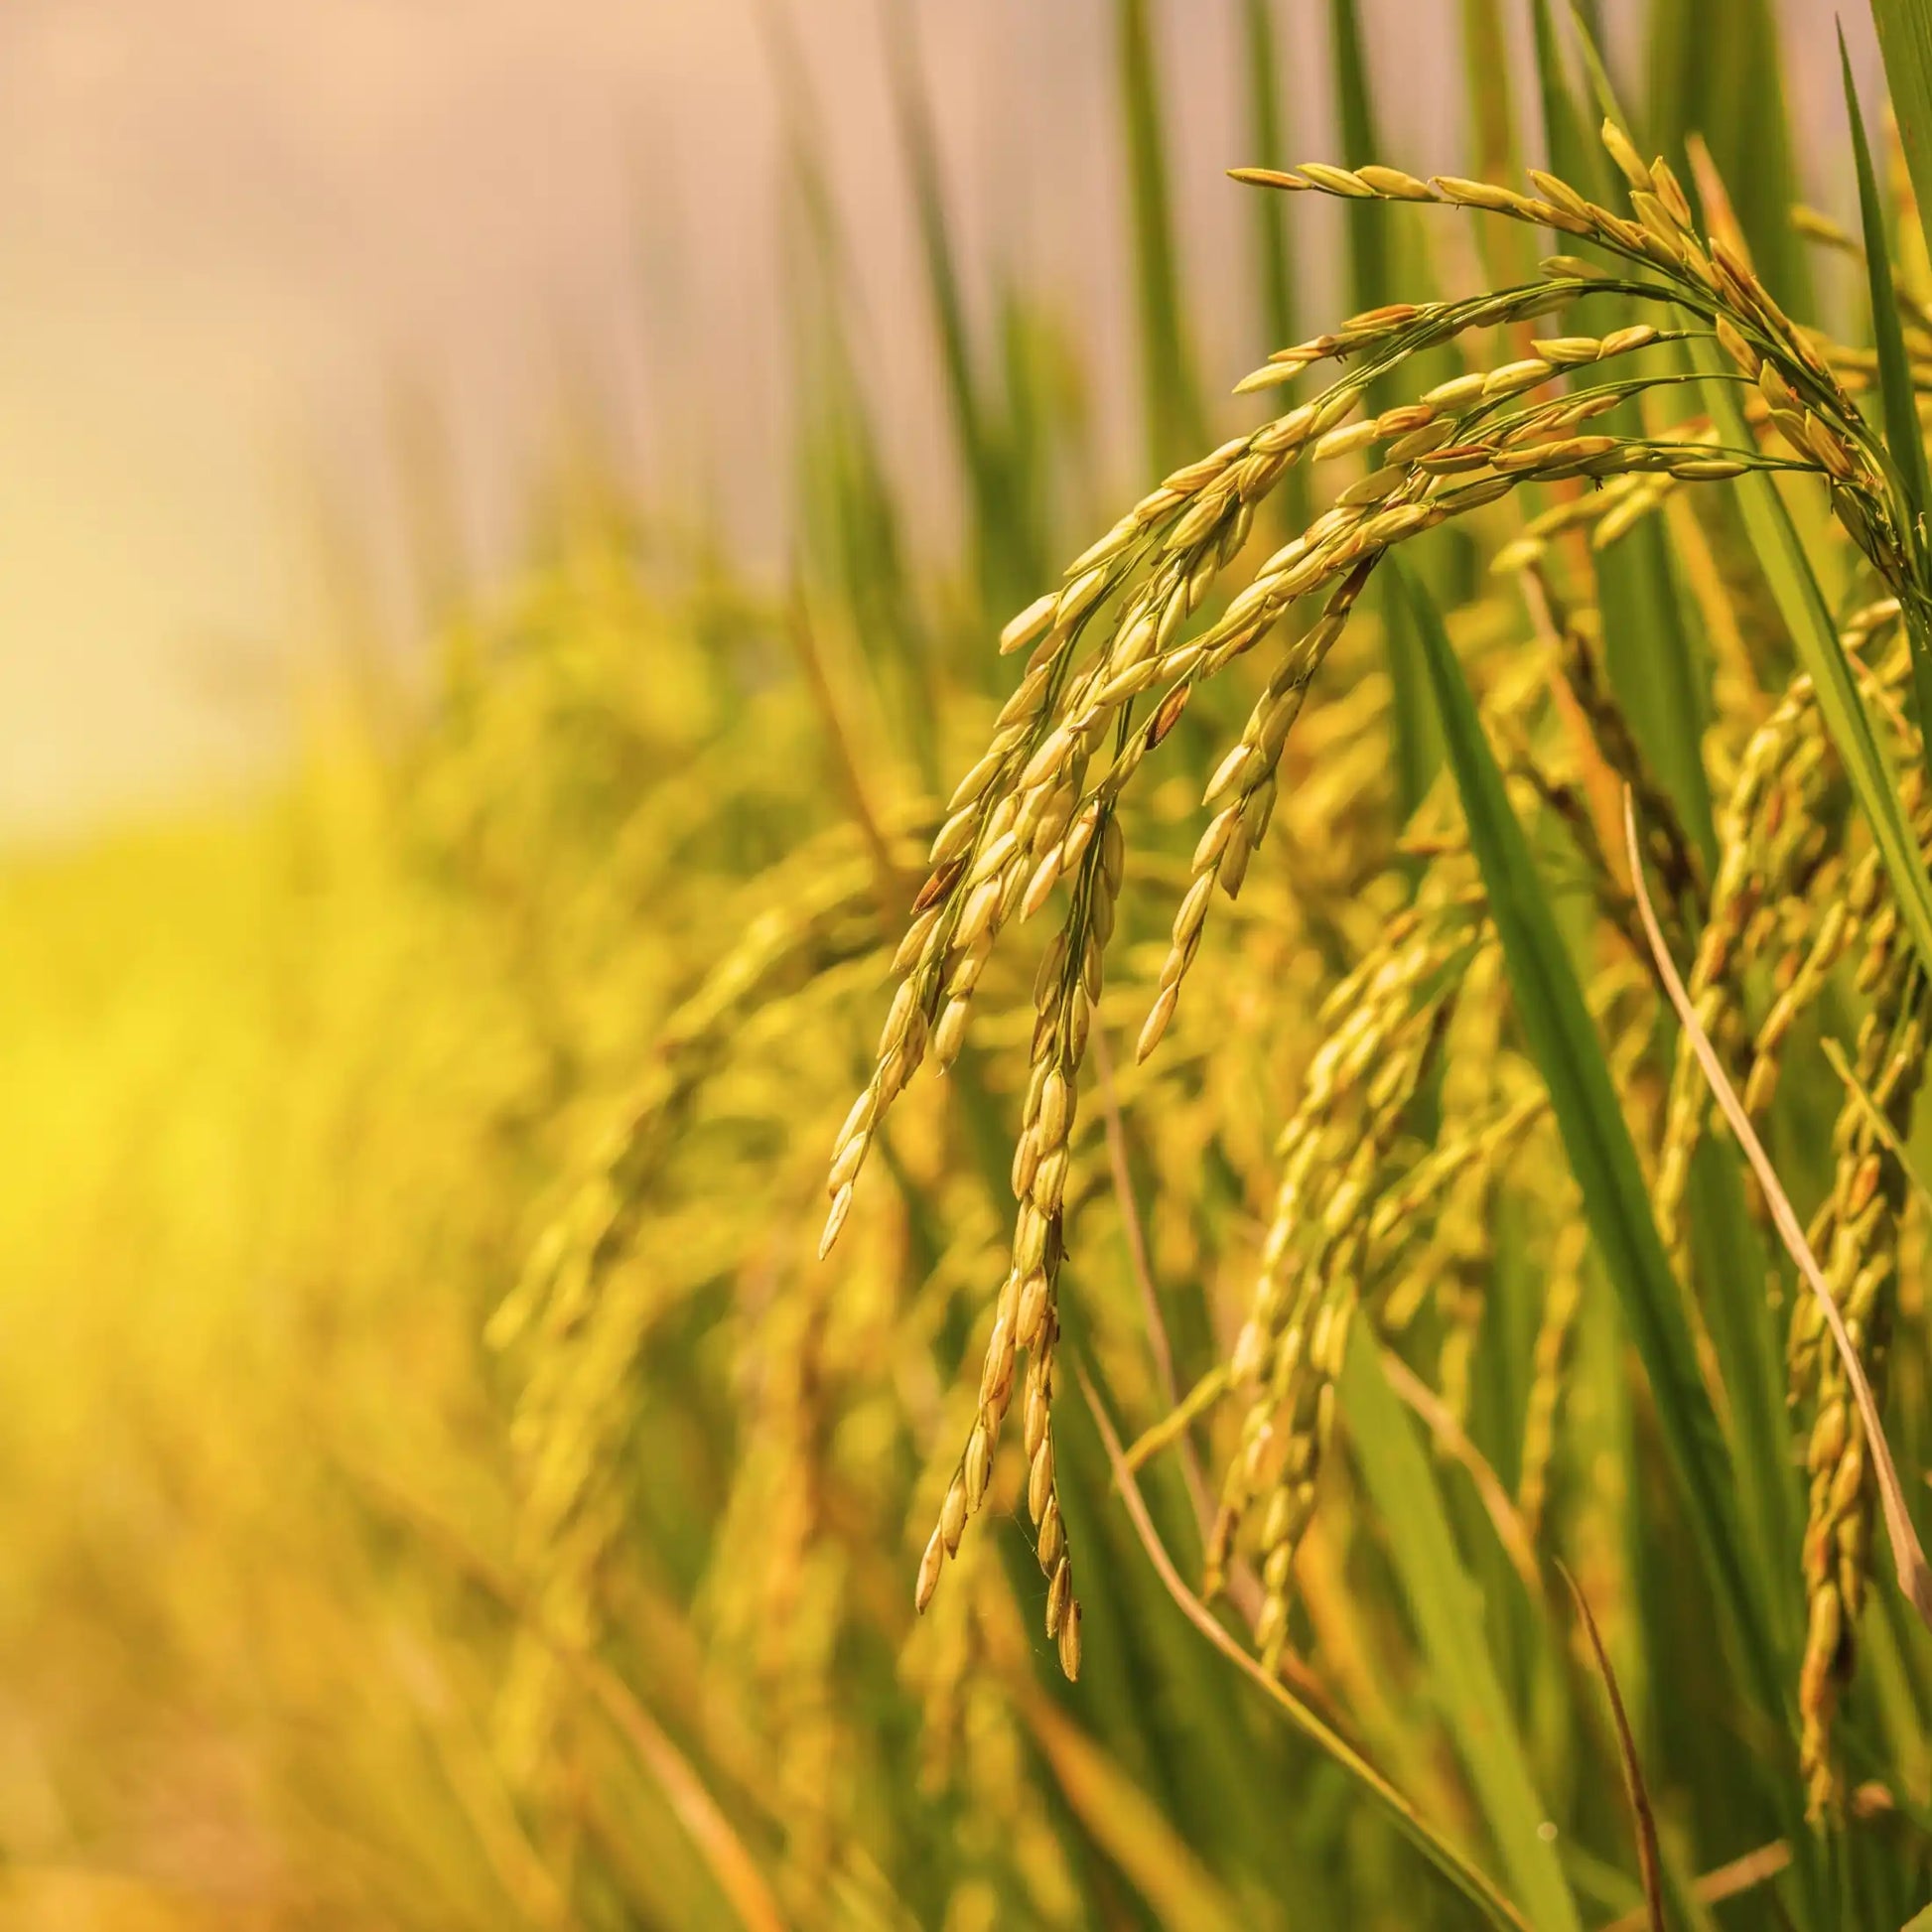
(241,254)
(507,510)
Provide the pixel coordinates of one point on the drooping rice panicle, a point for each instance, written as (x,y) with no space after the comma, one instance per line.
(1855,1234)
(1042,810)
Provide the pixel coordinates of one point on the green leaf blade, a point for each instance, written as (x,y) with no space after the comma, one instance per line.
(1274,255)
(1445,1606)
(1900,400)
(1902,436)
(1176,420)
(1563,1041)
(1905,40)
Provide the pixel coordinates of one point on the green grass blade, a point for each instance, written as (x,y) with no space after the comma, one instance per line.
(1655,664)
(1265,141)
(1369,231)
(1447,1612)
(851,527)
(1044,423)
(1564,1043)
(1175,421)
(1180,1747)
(1572,153)
(1617,1208)
(1906,40)
(1508,249)
(1718,72)
(942,277)
(979,448)
(1470,1880)
(1388,256)
(1274,257)
(1372,281)
(1730,1260)
(1903,438)
(1659,668)
(1485,62)
(1902,435)
(1129,1826)
(1672,71)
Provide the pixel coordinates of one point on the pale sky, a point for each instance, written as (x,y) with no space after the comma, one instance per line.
(232,232)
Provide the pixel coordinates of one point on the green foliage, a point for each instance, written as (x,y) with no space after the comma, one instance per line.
(1174,421)
(1717,72)
(1903,439)
(1583,1093)
(1905,38)
(1445,1606)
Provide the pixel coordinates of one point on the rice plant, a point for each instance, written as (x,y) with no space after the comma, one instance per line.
(1375,1156)
(1380,1379)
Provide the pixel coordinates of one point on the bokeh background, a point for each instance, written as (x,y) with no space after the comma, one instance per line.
(251,256)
